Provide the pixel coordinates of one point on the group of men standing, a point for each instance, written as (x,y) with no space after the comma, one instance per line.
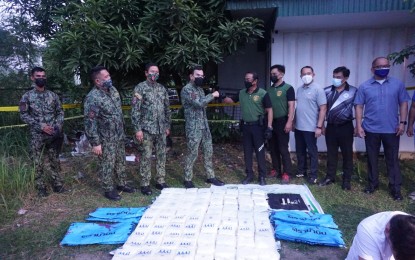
(266,115)
(150,116)
(383,99)
(104,124)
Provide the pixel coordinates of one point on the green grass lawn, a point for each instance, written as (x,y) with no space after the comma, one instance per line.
(36,234)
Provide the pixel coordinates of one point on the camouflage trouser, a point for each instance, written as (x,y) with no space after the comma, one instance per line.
(159,140)
(195,137)
(112,161)
(39,151)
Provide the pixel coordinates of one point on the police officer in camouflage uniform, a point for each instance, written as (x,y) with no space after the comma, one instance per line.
(41,109)
(104,127)
(150,117)
(194,103)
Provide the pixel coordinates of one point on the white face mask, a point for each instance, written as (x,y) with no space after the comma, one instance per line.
(307,79)
(337,82)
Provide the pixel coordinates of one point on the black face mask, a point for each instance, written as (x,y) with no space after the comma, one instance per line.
(274,79)
(199,82)
(40,82)
(248,84)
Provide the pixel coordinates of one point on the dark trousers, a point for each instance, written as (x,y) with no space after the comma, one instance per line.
(253,139)
(390,144)
(306,142)
(279,146)
(340,136)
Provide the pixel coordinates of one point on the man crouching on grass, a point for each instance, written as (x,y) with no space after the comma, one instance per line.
(386,235)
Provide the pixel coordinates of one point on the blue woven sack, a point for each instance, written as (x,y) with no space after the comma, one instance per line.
(304,218)
(117,214)
(93,233)
(312,235)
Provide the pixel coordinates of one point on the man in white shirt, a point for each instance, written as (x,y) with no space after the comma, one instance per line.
(386,235)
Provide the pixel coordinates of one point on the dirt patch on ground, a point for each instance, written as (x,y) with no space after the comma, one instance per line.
(90,256)
(291,252)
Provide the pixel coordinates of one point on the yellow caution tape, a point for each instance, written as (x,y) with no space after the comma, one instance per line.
(69,106)
(23,125)
(173,120)
(126,107)
(16,108)
(9,109)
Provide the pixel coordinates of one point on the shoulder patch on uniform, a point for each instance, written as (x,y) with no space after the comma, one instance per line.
(23,106)
(91,114)
(93,111)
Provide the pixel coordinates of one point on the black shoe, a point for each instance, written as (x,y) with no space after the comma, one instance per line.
(326,182)
(247,180)
(161,186)
(215,182)
(59,189)
(312,180)
(42,193)
(262,181)
(146,190)
(397,196)
(370,190)
(346,186)
(126,188)
(188,184)
(300,175)
(112,195)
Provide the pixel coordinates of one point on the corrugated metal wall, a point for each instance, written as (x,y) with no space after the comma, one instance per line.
(321,7)
(355,49)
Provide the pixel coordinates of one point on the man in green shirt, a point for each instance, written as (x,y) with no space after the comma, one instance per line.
(255,105)
(282,97)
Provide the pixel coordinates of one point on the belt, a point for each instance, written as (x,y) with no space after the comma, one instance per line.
(251,123)
(282,118)
(340,124)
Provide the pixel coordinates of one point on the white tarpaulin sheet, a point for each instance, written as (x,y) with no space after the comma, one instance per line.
(228,222)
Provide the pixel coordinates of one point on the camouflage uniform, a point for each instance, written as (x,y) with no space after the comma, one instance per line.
(37,109)
(151,114)
(104,125)
(197,129)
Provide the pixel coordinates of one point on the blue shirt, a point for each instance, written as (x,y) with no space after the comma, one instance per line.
(381,104)
(309,100)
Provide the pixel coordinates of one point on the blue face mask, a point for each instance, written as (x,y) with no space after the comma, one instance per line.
(107,84)
(382,72)
(337,82)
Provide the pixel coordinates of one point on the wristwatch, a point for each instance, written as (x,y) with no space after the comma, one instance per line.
(403,122)
(319,127)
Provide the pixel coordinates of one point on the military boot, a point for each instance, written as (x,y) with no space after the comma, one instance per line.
(112,195)
(42,192)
